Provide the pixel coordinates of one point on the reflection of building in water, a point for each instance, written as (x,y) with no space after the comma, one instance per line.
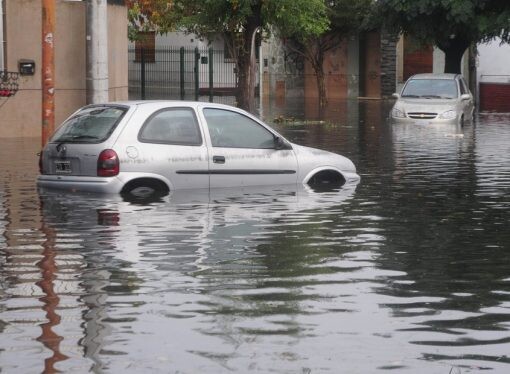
(50,277)
(29,271)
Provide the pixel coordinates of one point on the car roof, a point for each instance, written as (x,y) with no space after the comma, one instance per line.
(435,76)
(170,103)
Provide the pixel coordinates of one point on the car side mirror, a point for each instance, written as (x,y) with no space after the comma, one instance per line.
(280,143)
(396,96)
(465,97)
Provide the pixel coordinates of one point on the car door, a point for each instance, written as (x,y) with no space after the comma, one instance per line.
(244,152)
(169,143)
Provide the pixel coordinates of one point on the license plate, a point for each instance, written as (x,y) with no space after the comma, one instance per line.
(422,122)
(63,167)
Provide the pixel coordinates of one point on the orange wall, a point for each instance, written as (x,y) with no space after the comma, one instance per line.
(20,115)
(335,70)
(417,59)
(372,71)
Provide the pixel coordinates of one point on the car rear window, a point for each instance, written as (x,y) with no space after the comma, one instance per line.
(90,125)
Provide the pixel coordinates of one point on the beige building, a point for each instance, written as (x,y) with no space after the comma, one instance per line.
(20,39)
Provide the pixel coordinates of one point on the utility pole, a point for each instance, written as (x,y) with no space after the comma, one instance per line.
(48,69)
(97,52)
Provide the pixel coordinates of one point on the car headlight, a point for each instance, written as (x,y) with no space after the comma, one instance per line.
(397,113)
(450,114)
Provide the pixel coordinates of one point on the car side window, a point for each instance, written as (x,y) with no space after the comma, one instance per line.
(234,130)
(171,126)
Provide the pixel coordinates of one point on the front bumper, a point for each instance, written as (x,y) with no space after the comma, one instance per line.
(433,121)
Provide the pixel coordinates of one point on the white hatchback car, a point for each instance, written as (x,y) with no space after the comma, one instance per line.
(147,147)
(433,98)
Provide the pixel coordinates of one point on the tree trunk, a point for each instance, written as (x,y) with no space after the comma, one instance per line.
(246,64)
(244,97)
(318,67)
(454,50)
(321,87)
(247,75)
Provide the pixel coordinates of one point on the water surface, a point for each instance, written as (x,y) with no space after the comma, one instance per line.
(407,271)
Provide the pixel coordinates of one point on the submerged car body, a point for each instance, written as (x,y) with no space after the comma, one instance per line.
(433,98)
(147,146)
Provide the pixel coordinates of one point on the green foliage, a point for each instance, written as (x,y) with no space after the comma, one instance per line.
(342,18)
(438,21)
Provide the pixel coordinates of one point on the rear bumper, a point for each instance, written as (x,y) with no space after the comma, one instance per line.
(80,184)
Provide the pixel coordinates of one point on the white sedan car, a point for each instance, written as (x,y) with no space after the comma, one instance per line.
(434,98)
(148,147)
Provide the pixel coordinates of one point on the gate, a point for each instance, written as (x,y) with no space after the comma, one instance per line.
(181,74)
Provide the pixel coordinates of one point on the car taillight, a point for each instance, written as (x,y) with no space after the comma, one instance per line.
(107,163)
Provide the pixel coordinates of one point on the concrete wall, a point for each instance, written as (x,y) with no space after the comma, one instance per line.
(118,52)
(20,115)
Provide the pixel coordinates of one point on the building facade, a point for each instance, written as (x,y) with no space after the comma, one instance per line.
(21,42)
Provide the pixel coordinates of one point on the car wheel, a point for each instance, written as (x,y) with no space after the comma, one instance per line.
(145,189)
(326,180)
(462,121)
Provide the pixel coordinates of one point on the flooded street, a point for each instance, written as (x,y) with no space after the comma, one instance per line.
(408,271)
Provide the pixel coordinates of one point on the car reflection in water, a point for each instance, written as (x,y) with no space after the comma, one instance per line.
(126,245)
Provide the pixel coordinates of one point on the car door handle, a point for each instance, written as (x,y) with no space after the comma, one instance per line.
(218,159)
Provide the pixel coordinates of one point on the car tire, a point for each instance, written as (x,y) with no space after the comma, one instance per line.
(326,180)
(145,189)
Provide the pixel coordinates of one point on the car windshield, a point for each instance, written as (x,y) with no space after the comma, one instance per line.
(90,125)
(431,88)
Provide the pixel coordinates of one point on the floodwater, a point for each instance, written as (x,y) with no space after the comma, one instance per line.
(406,272)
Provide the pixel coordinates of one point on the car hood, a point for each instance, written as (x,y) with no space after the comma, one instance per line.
(426,105)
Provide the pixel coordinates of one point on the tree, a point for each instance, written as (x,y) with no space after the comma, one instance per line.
(451,25)
(346,17)
(160,16)
(237,21)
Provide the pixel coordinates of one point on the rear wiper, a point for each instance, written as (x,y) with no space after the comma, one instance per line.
(76,137)
(431,96)
(414,96)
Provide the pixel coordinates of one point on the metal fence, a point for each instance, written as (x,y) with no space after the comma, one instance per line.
(181,73)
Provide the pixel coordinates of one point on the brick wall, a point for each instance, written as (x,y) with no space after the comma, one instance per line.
(388,63)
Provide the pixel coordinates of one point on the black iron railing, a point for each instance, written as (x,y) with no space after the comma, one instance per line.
(180,73)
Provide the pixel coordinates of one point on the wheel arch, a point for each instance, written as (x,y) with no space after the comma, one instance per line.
(147,180)
(326,172)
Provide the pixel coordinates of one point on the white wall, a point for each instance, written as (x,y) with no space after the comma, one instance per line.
(493,63)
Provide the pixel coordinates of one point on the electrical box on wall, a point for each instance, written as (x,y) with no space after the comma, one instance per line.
(26,67)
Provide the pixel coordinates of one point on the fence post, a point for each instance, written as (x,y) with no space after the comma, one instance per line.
(142,72)
(182,72)
(197,83)
(211,75)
